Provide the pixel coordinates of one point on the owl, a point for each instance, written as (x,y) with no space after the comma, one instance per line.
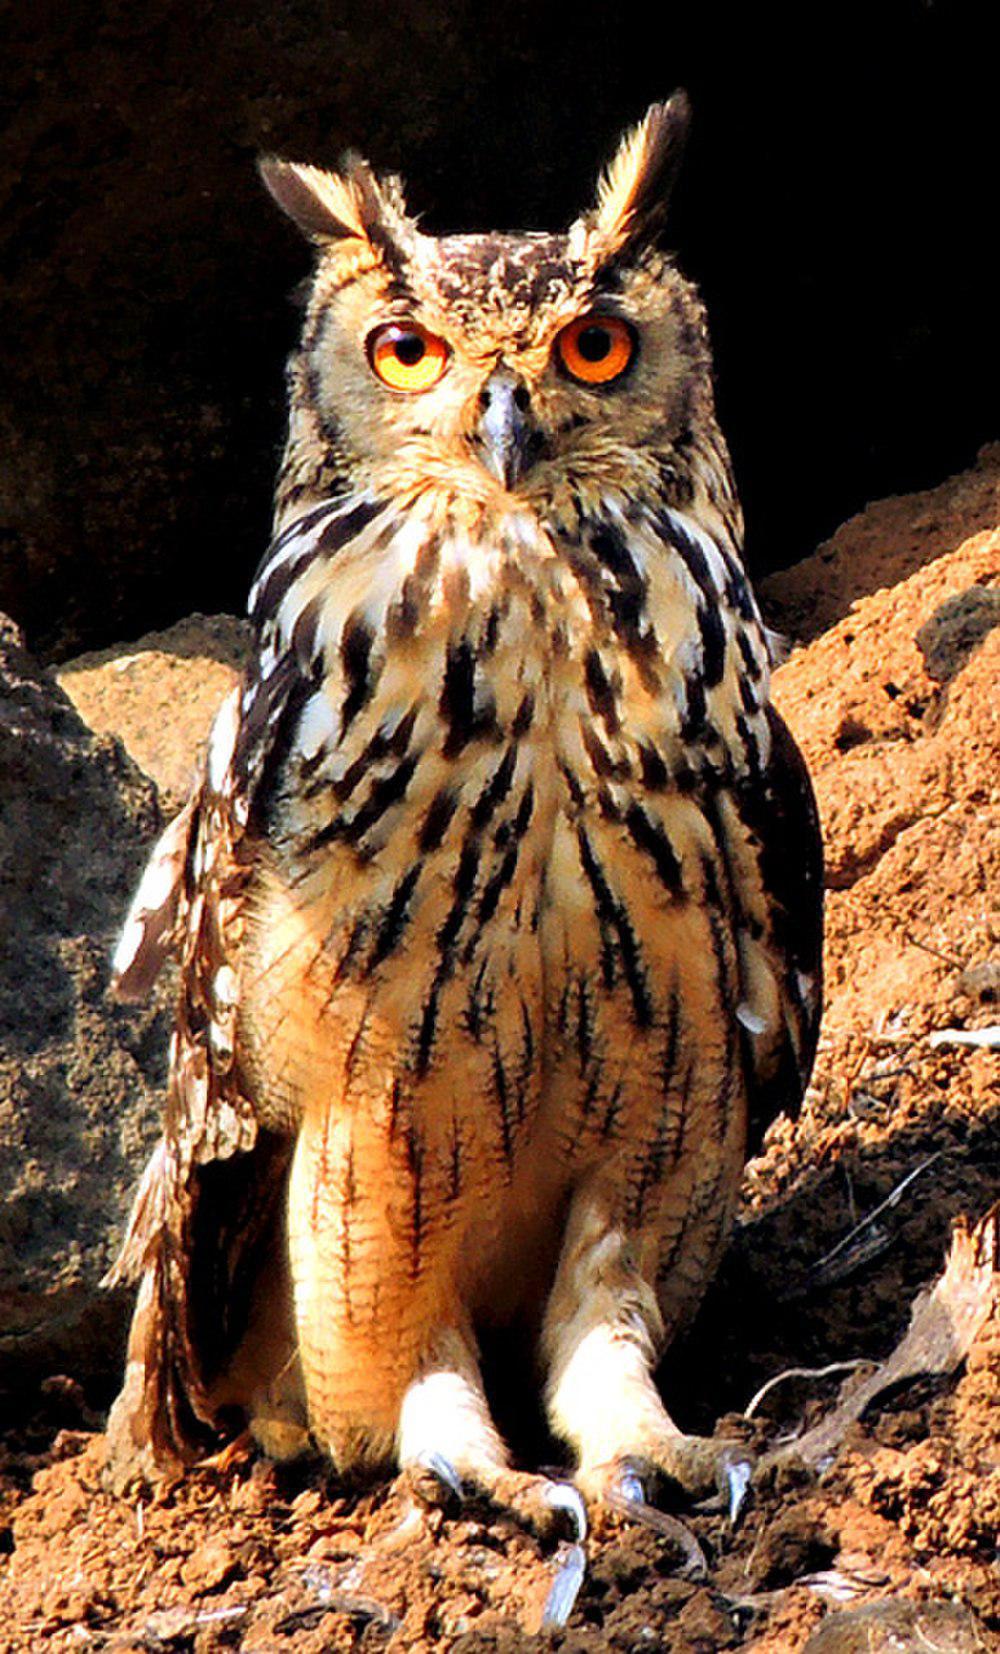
(497,904)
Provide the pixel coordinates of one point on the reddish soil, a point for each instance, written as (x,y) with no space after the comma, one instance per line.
(246,1557)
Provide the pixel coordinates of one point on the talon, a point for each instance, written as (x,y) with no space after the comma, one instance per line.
(434,1479)
(737,1476)
(631,1488)
(565,1588)
(443,1470)
(564,1496)
(627,1498)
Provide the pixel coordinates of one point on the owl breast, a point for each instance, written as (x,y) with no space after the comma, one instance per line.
(477,925)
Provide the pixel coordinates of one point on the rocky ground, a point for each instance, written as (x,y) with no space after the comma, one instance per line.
(846,1215)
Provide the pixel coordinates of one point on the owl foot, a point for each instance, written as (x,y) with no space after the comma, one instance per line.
(434,1481)
(546,1508)
(698,1466)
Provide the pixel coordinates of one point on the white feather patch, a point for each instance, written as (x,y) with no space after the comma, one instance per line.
(753,1023)
(317,726)
(222,741)
(148,932)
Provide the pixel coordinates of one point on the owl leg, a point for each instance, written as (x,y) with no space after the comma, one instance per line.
(601,1338)
(448,1443)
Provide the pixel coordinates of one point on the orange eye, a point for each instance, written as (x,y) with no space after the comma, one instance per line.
(596,349)
(406,357)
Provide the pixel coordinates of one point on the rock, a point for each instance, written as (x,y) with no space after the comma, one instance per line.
(881,547)
(898,1628)
(159,695)
(956,629)
(80,1078)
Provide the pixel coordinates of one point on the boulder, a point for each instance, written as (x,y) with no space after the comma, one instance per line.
(80,1078)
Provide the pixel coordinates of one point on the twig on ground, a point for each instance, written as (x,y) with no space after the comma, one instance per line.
(827,1269)
(944,1322)
(801,1372)
(987,1038)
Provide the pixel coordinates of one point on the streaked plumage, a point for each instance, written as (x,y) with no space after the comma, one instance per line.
(497,908)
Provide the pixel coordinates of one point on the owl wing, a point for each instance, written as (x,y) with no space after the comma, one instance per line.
(205,1210)
(776,868)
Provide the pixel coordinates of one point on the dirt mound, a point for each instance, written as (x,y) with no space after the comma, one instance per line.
(846,1215)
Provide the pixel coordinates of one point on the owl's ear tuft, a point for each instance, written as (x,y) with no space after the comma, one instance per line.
(335,206)
(324,205)
(633,191)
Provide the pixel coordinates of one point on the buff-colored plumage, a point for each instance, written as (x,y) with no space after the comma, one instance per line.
(497,908)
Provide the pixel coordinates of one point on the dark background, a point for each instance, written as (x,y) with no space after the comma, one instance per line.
(838,207)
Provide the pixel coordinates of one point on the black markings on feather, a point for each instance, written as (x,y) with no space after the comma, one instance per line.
(415,1162)
(437,819)
(611,547)
(605,767)
(671,1047)
(738,594)
(353,1050)
(267,734)
(276,582)
(303,639)
(584,1024)
(402,615)
(615,926)
(727,895)
(523,716)
(526,1063)
(395,1104)
(500,1093)
(694,719)
(348,525)
(277,573)
(658,1157)
(386,791)
(457,703)
(498,881)
(612,1114)
(590,1094)
(692,556)
(607,806)
(347,964)
(455,1164)
(652,768)
(495,791)
(750,661)
(395,917)
(576,792)
(383,744)
(626,599)
(713,643)
(778,811)
(651,838)
(355,656)
(748,696)
(463,886)
(751,747)
(480,1006)
(599,692)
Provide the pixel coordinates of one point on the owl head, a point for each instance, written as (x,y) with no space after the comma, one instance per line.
(498,361)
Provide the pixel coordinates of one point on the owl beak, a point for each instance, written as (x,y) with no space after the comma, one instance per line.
(504,435)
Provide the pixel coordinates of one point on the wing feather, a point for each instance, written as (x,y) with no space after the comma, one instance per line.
(778,812)
(187,1241)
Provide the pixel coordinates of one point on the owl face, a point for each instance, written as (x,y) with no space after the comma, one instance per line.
(493,361)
